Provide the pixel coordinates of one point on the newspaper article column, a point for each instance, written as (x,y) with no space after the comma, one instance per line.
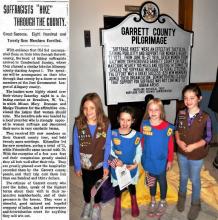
(34,96)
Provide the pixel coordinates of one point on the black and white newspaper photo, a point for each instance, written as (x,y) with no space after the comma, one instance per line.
(34,54)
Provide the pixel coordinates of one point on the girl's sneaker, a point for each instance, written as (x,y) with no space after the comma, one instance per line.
(151,209)
(162,206)
(86,213)
(96,212)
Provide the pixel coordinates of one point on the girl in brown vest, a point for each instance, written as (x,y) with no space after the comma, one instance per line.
(193,133)
(91,148)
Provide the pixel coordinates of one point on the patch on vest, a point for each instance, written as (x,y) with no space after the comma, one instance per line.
(137,140)
(101,134)
(116,141)
(181,124)
(118,152)
(200,118)
(181,117)
(83,135)
(182,112)
(149,133)
(146,128)
(169,132)
(85,160)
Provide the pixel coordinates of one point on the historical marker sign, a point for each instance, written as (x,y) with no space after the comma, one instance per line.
(147,53)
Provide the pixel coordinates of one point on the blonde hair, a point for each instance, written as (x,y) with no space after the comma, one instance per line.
(158,102)
(101,118)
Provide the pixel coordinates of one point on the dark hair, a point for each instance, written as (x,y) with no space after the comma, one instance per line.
(192,87)
(127,109)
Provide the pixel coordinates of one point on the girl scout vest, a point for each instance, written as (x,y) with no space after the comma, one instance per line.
(193,133)
(92,148)
(155,152)
(125,149)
